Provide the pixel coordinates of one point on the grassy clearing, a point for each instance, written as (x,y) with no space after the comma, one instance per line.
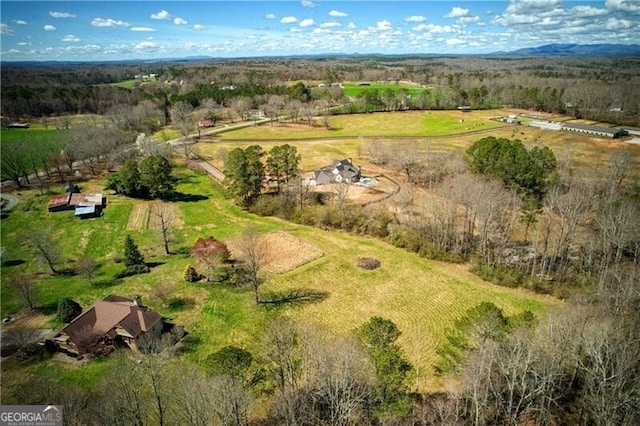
(583,150)
(406,123)
(126,84)
(42,137)
(356,90)
(422,297)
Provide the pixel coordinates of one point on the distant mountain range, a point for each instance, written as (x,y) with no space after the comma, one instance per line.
(576,50)
(546,50)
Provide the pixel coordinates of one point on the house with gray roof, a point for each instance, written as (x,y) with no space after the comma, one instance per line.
(341,171)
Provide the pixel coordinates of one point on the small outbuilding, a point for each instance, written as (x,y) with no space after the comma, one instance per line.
(85,205)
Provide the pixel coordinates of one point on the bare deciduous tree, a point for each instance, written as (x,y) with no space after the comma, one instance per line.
(87,267)
(42,242)
(252,251)
(165,220)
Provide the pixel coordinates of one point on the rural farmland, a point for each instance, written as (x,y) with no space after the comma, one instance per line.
(322,239)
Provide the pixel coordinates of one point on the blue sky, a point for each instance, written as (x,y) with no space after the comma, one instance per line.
(100,30)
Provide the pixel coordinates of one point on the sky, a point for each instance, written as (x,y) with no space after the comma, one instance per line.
(116,30)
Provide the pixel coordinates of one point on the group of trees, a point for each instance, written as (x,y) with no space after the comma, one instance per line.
(151,178)
(312,379)
(246,173)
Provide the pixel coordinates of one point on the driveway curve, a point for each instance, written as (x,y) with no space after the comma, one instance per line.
(9,202)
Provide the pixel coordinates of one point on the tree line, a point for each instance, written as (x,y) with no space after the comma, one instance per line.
(582,88)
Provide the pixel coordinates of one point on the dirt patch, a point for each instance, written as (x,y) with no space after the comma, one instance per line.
(284,252)
(139,217)
(29,319)
(147,215)
(159,210)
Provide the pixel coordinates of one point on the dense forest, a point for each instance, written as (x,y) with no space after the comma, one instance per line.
(585,87)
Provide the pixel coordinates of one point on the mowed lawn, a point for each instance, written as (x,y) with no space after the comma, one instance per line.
(405,123)
(581,150)
(423,297)
(356,89)
(38,136)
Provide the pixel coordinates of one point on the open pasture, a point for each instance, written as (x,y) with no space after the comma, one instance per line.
(405,123)
(41,137)
(356,89)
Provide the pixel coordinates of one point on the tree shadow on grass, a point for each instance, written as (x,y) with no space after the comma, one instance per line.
(106,283)
(188,198)
(50,309)
(154,264)
(295,297)
(16,262)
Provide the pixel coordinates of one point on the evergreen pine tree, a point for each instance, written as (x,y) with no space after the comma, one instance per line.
(132,255)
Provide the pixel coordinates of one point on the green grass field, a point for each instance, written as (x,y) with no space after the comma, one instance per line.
(421,296)
(126,84)
(355,90)
(406,123)
(37,136)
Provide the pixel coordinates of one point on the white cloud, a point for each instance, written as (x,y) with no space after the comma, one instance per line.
(61,15)
(49,28)
(337,14)
(289,20)
(145,45)
(162,15)
(179,21)
(415,18)
(433,28)
(142,29)
(100,22)
(457,12)
(295,30)
(198,27)
(308,3)
(618,24)
(330,24)
(20,22)
(383,25)
(623,5)
(588,11)
(5,29)
(469,20)
(352,26)
(306,23)
(23,43)
(269,16)
(454,42)
(71,39)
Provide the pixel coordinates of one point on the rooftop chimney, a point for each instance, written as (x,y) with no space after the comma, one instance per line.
(137,300)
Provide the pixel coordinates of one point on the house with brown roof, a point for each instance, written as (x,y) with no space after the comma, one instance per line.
(113,322)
